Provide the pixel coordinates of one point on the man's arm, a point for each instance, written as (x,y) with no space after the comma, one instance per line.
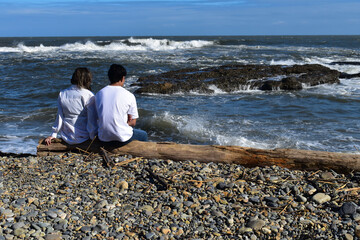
(131,121)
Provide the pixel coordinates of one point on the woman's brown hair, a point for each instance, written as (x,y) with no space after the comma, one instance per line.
(82,77)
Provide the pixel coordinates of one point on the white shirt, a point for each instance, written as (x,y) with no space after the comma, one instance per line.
(113,104)
(71,120)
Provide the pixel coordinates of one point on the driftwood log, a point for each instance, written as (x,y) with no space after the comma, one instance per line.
(249,157)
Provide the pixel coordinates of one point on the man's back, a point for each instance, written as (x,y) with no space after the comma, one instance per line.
(113,104)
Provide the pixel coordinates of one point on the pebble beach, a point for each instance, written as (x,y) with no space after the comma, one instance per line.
(78,196)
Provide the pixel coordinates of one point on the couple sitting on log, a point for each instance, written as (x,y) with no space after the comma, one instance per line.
(110,114)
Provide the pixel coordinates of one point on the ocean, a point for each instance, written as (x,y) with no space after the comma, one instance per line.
(325,117)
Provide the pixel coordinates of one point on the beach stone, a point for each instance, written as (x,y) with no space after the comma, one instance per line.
(165,230)
(101,228)
(101,204)
(312,190)
(123,185)
(206,170)
(43,225)
(348,208)
(321,198)
(357,231)
(271,199)
(61,225)
(256,224)
(150,235)
(196,210)
(9,237)
(37,234)
(51,214)
(301,198)
(222,186)
(255,199)
(20,202)
(20,232)
(85,229)
(243,230)
(7,213)
(53,237)
(327,175)
(356,217)
(147,209)
(61,214)
(266,230)
(18,225)
(348,236)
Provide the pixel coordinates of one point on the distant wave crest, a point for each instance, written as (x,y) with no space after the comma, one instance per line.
(130,44)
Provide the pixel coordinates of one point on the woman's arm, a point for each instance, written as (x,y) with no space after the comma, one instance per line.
(57,125)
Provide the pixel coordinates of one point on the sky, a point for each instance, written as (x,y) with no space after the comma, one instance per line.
(23,18)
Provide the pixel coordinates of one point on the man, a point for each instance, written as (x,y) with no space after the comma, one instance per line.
(117,110)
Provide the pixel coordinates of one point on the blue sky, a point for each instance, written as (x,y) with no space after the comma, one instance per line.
(185,17)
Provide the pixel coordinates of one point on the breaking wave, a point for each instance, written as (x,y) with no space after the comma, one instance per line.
(130,44)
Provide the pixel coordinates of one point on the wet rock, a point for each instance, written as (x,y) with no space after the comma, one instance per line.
(230,78)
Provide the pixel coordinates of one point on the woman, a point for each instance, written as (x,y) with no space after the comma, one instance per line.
(72,120)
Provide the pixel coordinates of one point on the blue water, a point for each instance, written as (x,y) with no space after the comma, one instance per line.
(34,70)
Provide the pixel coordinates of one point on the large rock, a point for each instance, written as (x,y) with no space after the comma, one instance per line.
(230,78)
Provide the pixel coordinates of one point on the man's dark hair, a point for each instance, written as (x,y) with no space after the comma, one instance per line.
(116,73)
(82,78)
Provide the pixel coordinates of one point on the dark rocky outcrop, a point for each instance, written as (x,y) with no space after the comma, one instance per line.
(345,63)
(229,78)
(348,75)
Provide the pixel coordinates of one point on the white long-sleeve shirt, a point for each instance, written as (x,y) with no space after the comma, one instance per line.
(72,117)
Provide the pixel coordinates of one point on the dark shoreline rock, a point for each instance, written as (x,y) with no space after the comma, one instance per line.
(230,78)
(345,63)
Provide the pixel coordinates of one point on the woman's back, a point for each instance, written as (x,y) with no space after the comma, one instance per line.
(73,102)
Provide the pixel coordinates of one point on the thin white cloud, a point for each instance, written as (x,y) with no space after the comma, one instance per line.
(182,17)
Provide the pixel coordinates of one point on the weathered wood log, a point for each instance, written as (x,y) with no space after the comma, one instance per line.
(249,157)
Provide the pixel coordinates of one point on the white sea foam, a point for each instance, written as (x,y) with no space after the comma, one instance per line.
(165,44)
(16,144)
(147,44)
(285,62)
(201,129)
(348,88)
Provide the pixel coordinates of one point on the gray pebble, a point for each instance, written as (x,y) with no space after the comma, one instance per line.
(150,235)
(256,224)
(348,208)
